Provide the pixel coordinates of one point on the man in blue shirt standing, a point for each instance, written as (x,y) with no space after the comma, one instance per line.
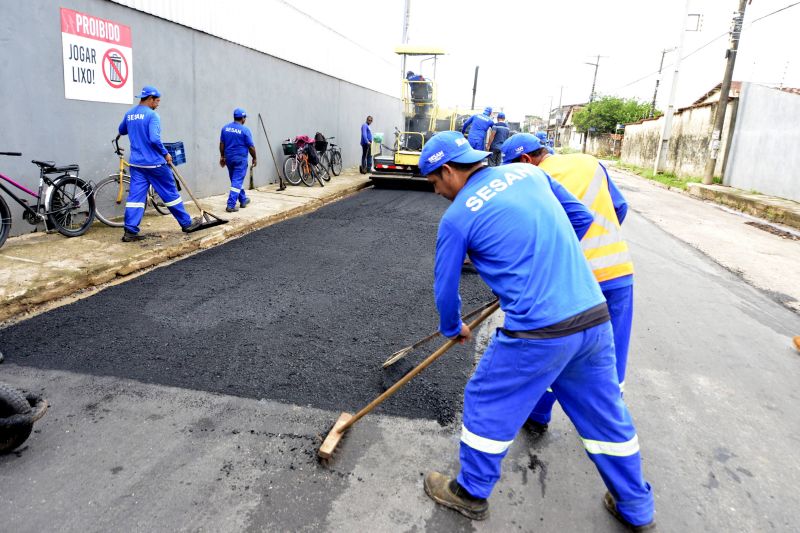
(497,137)
(478,126)
(235,141)
(519,227)
(366,147)
(148,162)
(547,143)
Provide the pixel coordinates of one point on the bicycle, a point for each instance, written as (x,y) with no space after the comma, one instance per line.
(64,203)
(112,193)
(330,155)
(297,168)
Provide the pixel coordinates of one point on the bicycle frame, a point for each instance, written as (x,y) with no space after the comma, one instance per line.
(122,164)
(35,214)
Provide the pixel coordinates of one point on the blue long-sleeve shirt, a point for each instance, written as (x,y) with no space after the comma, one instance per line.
(521,230)
(143,126)
(478,126)
(237,139)
(620,204)
(366,134)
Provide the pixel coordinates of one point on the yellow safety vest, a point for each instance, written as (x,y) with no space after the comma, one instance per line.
(603,245)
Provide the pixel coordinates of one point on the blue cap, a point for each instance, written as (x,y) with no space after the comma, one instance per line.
(501,115)
(239,113)
(446,147)
(487,111)
(149,90)
(541,135)
(516,145)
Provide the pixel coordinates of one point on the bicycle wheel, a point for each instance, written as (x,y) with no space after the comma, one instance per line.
(157,202)
(291,170)
(5,221)
(109,200)
(306,173)
(322,171)
(336,161)
(71,208)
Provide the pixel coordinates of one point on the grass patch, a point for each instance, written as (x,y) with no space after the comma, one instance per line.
(667,178)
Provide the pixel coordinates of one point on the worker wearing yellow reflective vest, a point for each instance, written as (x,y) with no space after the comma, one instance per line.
(605,249)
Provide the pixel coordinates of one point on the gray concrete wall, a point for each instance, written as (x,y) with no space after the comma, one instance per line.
(202,79)
(764,153)
(688,147)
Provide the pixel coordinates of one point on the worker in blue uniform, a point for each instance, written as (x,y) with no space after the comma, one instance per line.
(148,162)
(366,146)
(519,227)
(478,126)
(605,249)
(547,143)
(497,137)
(235,142)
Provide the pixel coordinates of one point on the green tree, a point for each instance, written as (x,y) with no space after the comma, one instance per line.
(604,114)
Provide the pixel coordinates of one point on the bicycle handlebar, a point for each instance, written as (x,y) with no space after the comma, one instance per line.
(117,150)
(11,153)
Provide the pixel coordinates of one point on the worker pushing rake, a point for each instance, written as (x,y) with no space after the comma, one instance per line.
(556,332)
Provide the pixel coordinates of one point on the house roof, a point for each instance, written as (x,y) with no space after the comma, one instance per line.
(736,87)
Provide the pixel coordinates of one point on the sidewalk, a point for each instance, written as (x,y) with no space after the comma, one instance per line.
(38,267)
(773,209)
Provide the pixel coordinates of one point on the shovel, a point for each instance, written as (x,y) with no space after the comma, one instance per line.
(208,220)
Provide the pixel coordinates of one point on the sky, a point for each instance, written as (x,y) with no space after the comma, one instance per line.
(533,53)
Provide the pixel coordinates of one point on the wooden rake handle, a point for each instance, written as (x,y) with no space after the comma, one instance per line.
(183,182)
(399,354)
(419,368)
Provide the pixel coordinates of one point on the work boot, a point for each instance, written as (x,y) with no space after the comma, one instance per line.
(611,507)
(448,492)
(246,202)
(129,236)
(231,209)
(535,429)
(196,222)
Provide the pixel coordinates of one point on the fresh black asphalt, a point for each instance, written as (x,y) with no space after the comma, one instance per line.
(302,312)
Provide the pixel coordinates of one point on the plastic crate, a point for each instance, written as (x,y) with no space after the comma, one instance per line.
(177,152)
(289,148)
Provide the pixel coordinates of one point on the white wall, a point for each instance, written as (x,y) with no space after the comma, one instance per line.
(276,28)
(765,151)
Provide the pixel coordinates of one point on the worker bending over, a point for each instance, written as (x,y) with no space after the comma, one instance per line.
(478,126)
(603,245)
(519,228)
(235,142)
(148,162)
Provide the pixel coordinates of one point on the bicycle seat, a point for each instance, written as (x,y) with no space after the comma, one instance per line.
(43,164)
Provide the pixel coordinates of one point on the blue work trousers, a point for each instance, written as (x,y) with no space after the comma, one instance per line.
(237,170)
(366,157)
(163,182)
(620,307)
(581,367)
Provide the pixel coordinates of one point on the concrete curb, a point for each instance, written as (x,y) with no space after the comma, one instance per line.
(777,210)
(46,290)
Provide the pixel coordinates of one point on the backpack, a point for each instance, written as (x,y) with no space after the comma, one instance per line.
(318,137)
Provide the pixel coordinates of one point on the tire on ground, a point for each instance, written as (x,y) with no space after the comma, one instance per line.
(13,402)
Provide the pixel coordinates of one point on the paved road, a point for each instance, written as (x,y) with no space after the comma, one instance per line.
(210,418)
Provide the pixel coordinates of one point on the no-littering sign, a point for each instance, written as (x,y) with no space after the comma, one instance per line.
(98,58)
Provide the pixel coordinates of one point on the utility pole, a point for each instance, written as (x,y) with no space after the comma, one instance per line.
(658,80)
(559,118)
(663,143)
(406,19)
(724,92)
(591,99)
(475,86)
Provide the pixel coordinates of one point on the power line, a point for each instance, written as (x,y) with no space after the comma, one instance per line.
(712,41)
